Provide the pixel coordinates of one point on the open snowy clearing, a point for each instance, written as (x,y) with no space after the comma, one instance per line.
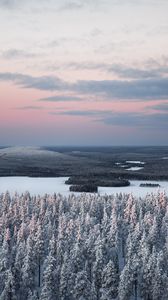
(42,186)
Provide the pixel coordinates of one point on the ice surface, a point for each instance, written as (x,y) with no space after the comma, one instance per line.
(42,186)
(35,186)
(135,189)
(135,162)
(135,169)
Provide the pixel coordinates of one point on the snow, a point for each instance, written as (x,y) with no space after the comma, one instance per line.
(42,186)
(25,151)
(41,247)
(135,162)
(135,169)
(135,189)
(131,162)
(35,186)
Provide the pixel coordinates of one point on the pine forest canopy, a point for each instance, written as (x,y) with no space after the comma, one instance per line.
(86,247)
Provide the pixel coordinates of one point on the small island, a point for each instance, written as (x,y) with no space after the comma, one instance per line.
(104,181)
(81,184)
(84,188)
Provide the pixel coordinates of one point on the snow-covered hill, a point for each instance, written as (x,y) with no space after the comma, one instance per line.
(26,151)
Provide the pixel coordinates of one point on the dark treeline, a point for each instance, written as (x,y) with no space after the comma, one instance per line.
(86,247)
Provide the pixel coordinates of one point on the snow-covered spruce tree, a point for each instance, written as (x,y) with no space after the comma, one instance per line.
(110,281)
(98,266)
(9,291)
(126,283)
(67,279)
(82,288)
(113,233)
(18,264)
(50,281)
(39,251)
(5,258)
(148,271)
(28,270)
(160,278)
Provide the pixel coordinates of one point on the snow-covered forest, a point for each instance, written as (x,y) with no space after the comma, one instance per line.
(86,247)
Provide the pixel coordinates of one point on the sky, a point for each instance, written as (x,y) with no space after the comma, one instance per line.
(83,72)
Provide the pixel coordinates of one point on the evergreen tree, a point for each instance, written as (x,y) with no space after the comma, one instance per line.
(50,282)
(110,281)
(9,292)
(82,288)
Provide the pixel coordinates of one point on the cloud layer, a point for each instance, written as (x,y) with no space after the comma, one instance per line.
(94,68)
(141,120)
(141,89)
(122,71)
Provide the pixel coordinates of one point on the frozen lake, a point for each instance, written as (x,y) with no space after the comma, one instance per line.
(134,169)
(135,189)
(50,185)
(135,162)
(34,185)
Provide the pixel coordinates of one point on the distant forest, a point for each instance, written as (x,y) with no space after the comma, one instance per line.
(86,247)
